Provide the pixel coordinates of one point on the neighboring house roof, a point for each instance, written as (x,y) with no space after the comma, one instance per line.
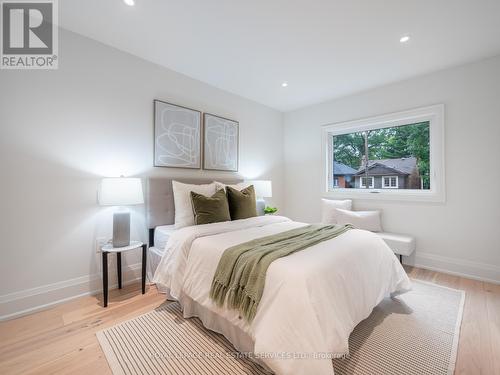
(342,169)
(401,165)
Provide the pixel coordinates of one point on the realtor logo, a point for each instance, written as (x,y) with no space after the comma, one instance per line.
(29,34)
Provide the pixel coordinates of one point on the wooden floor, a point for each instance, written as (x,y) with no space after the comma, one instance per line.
(62,340)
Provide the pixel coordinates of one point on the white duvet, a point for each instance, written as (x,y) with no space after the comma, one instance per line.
(312,299)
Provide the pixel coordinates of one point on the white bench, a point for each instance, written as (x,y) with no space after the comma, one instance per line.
(401,244)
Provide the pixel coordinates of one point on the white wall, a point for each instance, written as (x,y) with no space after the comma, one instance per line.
(62,130)
(458,236)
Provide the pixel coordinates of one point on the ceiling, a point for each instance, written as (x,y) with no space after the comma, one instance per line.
(323,48)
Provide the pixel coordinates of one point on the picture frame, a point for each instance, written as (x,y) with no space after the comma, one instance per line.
(177,136)
(220,143)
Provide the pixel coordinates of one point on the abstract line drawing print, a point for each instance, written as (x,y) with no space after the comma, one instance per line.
(177,136)
(221,143)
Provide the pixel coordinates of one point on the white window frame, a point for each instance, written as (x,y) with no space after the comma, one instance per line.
(335,182)
(363,186)
(390,187)
(434,114)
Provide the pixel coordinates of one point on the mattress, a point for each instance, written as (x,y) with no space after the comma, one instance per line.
(162,234)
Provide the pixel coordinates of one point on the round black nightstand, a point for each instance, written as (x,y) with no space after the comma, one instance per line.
(108,248)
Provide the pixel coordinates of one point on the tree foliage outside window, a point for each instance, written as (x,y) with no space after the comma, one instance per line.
(396,142)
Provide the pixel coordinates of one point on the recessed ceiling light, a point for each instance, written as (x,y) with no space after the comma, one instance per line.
(130,3)
(284,84)
(404,39)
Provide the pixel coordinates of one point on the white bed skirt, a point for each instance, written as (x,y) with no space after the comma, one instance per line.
(153,260)
(241,341)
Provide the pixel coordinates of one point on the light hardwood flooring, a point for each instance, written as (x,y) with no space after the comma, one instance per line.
(62,340)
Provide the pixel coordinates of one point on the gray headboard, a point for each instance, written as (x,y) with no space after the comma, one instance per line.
(160,198)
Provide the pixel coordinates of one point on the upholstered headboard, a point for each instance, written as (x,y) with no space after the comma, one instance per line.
(160,199)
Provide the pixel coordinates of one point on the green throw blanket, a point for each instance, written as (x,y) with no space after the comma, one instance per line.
(241,273)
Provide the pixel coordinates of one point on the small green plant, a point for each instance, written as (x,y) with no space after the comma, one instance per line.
(270,210)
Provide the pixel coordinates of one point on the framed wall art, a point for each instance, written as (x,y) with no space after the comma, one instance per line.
(177,136)
(220,143)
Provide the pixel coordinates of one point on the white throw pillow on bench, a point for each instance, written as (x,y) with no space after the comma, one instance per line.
(328,209)
(367,220)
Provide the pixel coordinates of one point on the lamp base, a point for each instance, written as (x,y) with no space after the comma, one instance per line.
(121,229)
(261,204)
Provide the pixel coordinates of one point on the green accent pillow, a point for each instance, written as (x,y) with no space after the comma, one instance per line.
(242,204)
(212,209)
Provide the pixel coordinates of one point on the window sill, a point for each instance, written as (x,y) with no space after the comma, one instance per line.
(387,194)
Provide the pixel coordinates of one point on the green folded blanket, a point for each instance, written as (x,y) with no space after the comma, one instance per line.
(241,273)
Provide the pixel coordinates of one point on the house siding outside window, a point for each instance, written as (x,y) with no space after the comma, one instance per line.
(405,169)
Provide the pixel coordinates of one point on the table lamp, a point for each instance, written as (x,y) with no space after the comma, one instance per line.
(263,189)
(121,191)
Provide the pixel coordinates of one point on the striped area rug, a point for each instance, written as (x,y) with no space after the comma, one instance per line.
(415,333)
(163,342)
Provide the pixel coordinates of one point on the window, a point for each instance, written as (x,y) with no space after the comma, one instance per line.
(398,156)
(390,182)
(367,182)
(402,150)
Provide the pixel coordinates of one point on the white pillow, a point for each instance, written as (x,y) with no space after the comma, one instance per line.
(367,220)
(328,206)
(240,186)
(184,215)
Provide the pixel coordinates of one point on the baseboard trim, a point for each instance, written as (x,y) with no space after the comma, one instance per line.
(457,267)
(28,301)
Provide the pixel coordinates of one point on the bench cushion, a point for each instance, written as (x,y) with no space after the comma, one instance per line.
(399,243)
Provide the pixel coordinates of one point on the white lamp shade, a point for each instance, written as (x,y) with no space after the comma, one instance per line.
(121,191)
(263,188)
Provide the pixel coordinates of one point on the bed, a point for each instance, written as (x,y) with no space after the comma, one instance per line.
(312,299)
